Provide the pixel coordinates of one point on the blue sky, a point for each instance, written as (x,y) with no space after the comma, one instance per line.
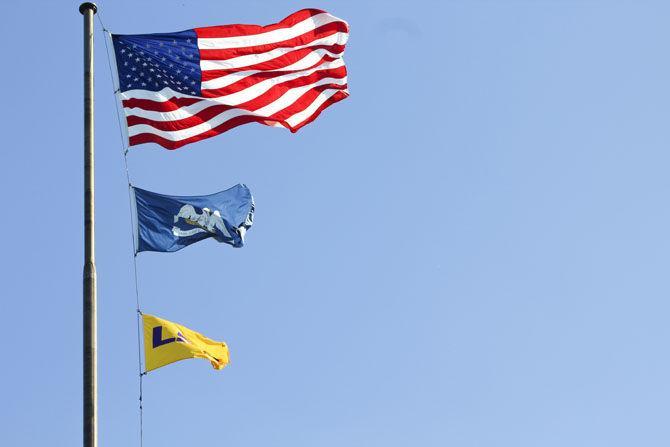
(471,250)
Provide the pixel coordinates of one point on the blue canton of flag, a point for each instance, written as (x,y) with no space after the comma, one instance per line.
(156,61)
(170,223)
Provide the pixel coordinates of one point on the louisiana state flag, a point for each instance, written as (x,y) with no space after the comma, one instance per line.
(170,223)
(166,342)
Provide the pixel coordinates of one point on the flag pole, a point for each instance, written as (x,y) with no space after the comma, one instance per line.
(90,385)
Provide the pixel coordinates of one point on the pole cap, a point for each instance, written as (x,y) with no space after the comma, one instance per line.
(88,5)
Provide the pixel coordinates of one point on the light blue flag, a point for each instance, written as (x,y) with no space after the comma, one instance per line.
(170,223)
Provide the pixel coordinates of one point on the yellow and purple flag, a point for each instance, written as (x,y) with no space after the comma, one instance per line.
(166,342)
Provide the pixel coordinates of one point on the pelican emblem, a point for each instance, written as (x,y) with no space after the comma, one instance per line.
(209,221)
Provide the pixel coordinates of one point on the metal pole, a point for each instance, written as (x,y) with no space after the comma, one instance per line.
(90,288)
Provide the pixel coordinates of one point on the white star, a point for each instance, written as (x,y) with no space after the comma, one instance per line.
(123,50)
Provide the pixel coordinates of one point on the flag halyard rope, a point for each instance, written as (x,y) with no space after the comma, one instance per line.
(124,151)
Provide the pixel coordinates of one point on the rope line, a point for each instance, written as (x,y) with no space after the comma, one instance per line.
(115,91)
(124,152)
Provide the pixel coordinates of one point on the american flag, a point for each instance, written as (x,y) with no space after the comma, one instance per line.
(178,88)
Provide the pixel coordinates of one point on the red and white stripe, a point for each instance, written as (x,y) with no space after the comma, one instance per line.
(283,74)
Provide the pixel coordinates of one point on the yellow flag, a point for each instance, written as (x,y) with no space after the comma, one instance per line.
(166,342)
